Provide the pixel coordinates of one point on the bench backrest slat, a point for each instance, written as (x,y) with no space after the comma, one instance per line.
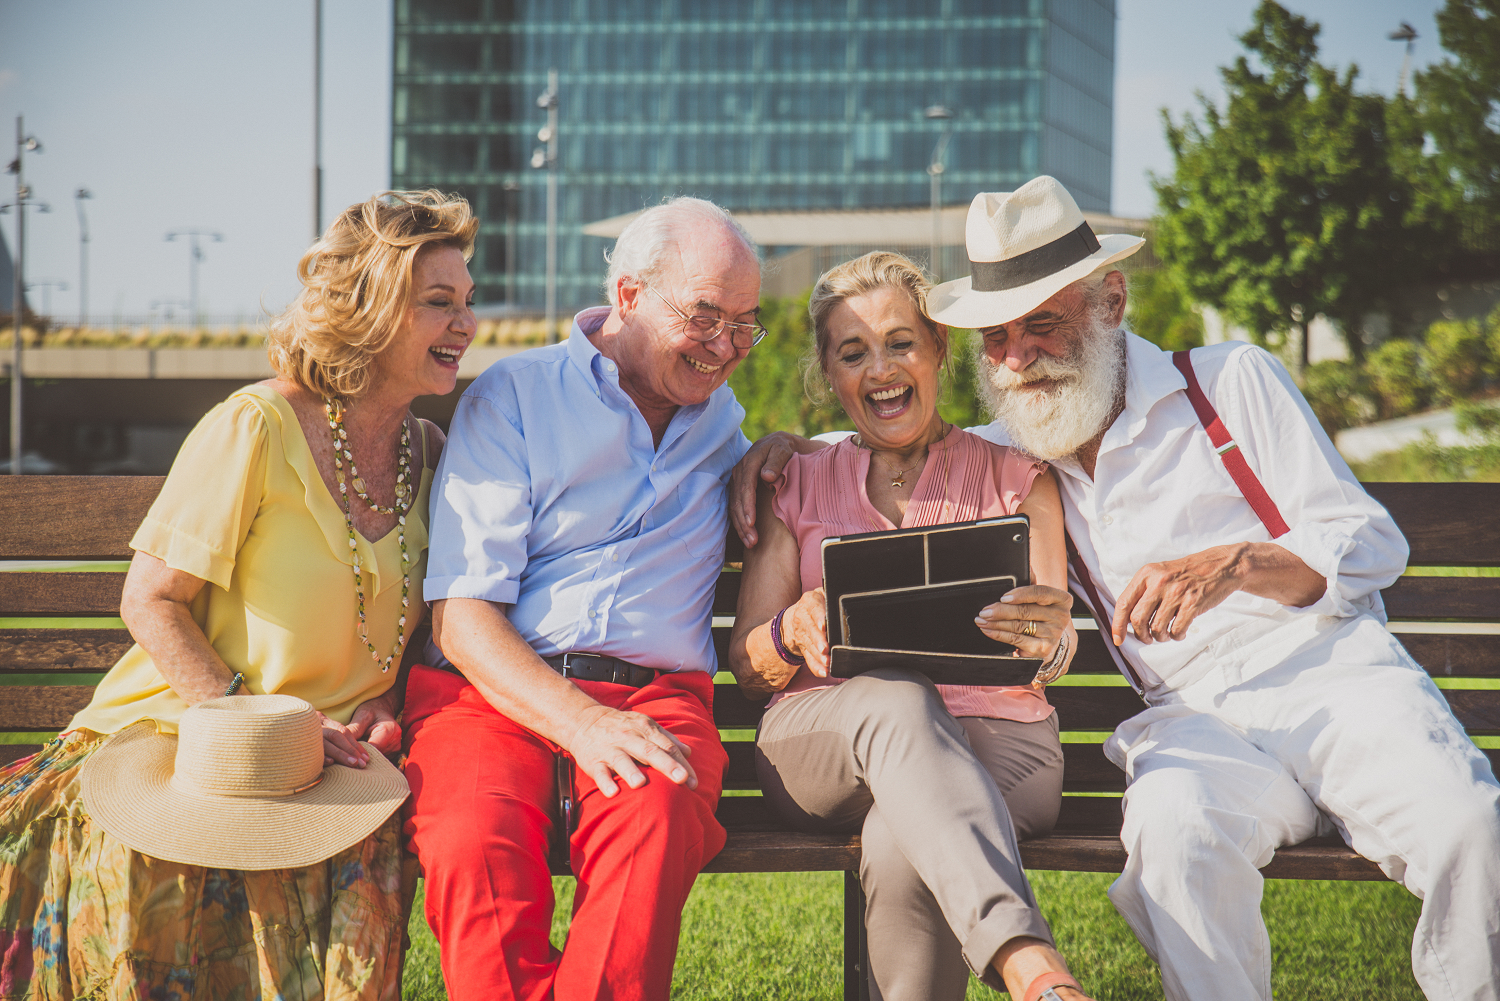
(73,517)
(1446,524)
(44,593)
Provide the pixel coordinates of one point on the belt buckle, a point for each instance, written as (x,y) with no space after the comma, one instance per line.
(568,658)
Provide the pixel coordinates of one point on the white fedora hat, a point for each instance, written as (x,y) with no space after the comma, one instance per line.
(1024,247)
(241,785)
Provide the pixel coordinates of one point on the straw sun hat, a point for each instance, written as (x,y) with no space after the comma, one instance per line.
(240,786)
(1024,247)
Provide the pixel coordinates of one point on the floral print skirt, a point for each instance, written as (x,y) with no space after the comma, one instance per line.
(83,916)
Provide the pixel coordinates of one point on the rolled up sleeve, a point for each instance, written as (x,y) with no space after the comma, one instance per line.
(481,507)
(1336,528)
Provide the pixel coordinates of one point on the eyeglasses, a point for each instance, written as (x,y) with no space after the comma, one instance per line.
(743,336)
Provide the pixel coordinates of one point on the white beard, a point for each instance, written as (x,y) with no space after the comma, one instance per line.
(1058,422)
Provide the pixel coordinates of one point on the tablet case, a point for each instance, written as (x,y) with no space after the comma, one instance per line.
(908,598)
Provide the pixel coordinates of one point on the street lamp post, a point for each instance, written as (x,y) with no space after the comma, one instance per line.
(24,144)
(1406,33)
(546,156)
(512,190)
(194,257)
(79,197)
(317,198)
(935,171)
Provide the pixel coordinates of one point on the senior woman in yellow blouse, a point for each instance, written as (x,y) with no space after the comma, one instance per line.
(284,555)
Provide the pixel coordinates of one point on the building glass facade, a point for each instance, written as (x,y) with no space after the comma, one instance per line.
(758,105)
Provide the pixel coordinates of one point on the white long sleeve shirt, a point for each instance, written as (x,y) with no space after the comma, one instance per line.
(1161,492)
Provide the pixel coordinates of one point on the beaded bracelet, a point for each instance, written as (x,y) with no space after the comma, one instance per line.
(234,685)
(781,650)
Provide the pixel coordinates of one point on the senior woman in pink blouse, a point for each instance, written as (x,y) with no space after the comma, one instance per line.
(939,780)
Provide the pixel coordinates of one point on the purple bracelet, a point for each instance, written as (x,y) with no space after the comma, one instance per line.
(781,650)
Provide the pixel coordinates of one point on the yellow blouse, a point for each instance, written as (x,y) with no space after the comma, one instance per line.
(245,509)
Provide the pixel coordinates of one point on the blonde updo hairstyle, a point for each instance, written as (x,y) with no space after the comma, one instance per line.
(876,270)
(356,287)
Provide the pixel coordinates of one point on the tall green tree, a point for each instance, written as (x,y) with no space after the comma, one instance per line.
(1285,203)
(1458,102)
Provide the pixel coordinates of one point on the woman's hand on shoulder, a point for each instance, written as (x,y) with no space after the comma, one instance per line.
(763,463)
(1047,610)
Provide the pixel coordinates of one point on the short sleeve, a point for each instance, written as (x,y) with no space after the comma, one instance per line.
(787,503)
(204,511)
(1014,476)
(481,508)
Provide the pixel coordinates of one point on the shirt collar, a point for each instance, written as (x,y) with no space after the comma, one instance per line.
(1150,377)
(581,350)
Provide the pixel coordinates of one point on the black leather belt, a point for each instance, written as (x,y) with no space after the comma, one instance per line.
(591,667)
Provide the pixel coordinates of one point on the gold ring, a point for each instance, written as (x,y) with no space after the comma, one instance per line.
(1028,628)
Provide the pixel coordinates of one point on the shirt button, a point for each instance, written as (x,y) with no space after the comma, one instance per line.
(591,613)
(609,366)
(1107,520)
(616,557)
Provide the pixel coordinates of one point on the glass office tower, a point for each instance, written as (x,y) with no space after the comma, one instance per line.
(756,104)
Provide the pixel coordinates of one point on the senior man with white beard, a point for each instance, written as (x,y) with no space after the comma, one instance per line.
(1240,578)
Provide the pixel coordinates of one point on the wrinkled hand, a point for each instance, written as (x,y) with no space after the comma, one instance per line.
(804,630)
(341,744)
(1162,599)
(610,743)
(374,722)
(764,462)
(1047,607)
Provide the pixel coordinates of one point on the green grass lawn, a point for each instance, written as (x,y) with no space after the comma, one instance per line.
(780,935)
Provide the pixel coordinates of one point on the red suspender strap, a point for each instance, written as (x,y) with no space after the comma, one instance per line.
(1229,451)
(1097,606)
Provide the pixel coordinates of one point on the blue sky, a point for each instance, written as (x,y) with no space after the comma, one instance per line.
(198,113)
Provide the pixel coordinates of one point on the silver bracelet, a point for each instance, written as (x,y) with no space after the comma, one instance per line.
(1053,669)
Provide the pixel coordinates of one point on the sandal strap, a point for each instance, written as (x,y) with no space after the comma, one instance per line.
(1041,987)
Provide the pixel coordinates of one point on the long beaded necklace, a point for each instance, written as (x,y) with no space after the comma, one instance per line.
(404,496)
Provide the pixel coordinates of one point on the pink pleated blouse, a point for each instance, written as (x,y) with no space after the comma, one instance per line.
(823,495)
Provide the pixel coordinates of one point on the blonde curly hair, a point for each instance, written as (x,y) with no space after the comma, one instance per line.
(356,287)
(876,270)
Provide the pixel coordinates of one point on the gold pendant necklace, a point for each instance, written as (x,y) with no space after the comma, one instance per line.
(898,476)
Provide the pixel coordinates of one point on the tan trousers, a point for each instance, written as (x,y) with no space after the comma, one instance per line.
(939,803)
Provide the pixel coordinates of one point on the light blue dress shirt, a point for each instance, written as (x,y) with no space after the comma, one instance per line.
(551,498)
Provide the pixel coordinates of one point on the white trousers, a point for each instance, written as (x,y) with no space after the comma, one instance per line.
(1348,734)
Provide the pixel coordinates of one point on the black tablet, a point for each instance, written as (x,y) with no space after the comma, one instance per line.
(921,557)
(908,598)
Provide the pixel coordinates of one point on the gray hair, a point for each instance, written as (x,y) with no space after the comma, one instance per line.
(642,246)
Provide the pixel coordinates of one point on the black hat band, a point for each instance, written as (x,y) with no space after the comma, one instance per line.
(1034,265)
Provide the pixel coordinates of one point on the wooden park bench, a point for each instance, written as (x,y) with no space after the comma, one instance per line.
(1451,625)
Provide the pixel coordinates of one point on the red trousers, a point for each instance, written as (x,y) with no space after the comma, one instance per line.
(481,814)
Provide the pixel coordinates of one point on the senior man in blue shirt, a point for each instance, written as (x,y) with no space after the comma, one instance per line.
(578,529)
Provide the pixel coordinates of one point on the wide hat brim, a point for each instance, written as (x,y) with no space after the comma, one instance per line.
(127,791)
(957,304)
